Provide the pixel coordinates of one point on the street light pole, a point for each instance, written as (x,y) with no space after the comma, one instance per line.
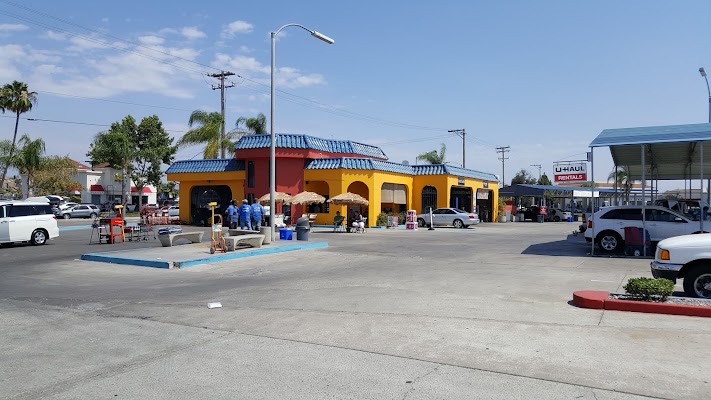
(539,170)
(272,144)
(463,134)
(708,90)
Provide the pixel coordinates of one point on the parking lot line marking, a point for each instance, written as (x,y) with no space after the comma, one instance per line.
(597,280)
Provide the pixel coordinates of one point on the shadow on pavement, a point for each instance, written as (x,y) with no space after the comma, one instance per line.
(572,246)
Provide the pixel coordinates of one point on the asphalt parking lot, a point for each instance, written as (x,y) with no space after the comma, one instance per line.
(449,313)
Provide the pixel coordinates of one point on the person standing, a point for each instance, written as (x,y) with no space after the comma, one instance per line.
(257,213)
(231,214)
(245,215)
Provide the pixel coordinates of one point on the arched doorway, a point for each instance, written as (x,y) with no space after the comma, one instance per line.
(429,198)
(202,196)
(361,189)
(393,198)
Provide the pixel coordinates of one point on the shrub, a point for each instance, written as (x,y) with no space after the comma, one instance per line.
(382,219)
(650,288)
(403,217)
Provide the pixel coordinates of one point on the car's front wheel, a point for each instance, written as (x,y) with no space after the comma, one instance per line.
(556,219)
(458,223)
(697,282)
(609,241)
(66,216)
(39,237)
(92,215)
(421,222)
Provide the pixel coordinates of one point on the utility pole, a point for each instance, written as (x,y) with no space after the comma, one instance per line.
(221,76)
(539,170)
(461,133)
(503,150)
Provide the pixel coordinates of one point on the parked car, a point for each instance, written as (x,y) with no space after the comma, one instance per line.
(173,211)
(448,217)
(661,224)
(79,211)
(27,221)
(557,215)
(685,257)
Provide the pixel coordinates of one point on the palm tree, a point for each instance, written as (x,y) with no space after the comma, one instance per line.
(622,180)
(432,157)
(30,159)
(17,98)
(207,133)
(252,126)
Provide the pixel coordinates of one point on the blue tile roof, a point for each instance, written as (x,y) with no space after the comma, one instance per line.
(370,164)
(298,141)
(211,165)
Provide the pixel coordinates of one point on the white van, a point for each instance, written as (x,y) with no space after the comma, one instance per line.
(27,221)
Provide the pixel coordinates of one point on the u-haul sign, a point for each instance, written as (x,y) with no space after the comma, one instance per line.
(577,172)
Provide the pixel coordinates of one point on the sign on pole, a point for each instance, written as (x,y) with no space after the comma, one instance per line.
(573,172)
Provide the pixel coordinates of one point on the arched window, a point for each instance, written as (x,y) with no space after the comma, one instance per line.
(429,198)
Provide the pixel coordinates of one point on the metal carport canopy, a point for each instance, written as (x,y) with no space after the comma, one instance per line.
(672,150)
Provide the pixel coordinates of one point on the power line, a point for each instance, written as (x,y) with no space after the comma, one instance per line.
(503,150)
(56,121)
(111,101)
(221,76)
(463,134)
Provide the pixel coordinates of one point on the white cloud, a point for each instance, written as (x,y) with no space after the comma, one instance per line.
(80,44)
(192,32)
(287,77)
(151,40)
(8,69)
(105,19)
(236,27)
(55,35)
(245,49)
(13,27)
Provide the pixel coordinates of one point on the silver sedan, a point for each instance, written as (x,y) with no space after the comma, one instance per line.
(448,217)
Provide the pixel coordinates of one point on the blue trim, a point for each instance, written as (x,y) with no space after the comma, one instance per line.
(74,228)
(141,262)
(653,134)
(380,165)
(210,165)
(300,141)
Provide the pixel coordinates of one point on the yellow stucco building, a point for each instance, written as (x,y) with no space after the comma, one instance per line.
(330,167)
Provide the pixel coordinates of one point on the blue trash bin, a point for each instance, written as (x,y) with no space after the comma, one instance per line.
(285,234)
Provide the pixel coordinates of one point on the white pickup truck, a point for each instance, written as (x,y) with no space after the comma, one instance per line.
(687,257)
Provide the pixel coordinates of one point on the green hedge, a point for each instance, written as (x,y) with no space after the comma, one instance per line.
(650,288)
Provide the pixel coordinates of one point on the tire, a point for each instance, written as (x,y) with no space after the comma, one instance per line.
(458,223)
(697,282)
(420,222)
(92,215)
(556,219)
(39,237)
(610,241)
(66,216)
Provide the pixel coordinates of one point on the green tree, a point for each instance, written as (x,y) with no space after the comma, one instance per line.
(523,177)
(136,150)
(31,162)
(208,133)
(433,157)
(17,98)
(621,177)
(543,180)
(169,189)
(153,147)
(252,126)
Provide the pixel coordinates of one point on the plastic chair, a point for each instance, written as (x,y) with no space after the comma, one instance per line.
(338,225)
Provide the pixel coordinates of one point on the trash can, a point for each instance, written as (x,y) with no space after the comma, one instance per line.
(302,228)
(520,217)
(540,217)
(267,232)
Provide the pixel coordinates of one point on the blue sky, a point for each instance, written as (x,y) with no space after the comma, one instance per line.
(543,77)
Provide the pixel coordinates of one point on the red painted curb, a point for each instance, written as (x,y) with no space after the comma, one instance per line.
(598,300)
(657,308)
(594,299)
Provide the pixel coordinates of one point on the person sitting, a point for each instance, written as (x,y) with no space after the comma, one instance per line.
(358,222)
(337,221)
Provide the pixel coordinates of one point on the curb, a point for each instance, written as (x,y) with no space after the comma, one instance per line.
(152,263)
(596,299)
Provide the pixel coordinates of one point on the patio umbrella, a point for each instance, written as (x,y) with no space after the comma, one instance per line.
(307,198)
(279,197)
(348,198)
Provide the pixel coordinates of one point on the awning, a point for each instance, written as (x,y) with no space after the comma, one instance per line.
(393,193)
(670,152)
(96,188)
(145,189)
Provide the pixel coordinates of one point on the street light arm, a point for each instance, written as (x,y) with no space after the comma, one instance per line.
(313,33)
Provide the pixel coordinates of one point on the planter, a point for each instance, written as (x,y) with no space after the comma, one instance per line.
(502,218)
